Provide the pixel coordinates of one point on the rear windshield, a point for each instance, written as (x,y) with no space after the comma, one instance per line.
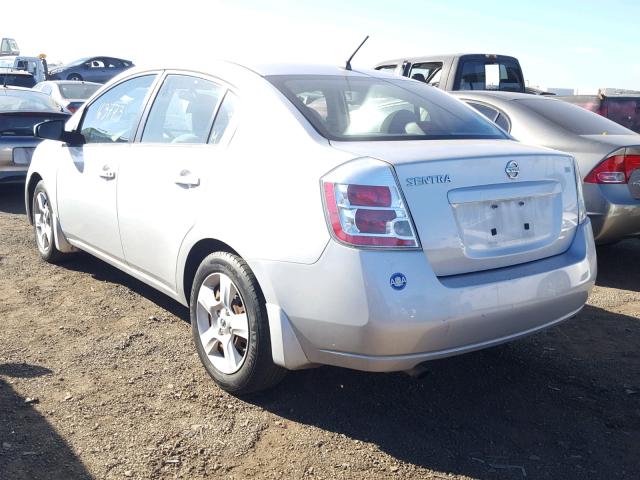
(625,111)
(573,118)
(26,81)
(481,74)
(80,91)
(20,101)
(368,108)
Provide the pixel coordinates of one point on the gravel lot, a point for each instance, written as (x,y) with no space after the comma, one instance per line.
(99,379)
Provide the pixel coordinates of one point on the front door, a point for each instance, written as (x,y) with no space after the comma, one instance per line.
(88,176)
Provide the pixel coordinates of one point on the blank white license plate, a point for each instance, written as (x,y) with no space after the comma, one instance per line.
(22,155)
(489,225)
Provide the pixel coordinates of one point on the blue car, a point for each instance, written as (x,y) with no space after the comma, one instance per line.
(93,69)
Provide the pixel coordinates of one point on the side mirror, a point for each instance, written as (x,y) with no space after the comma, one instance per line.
(54,130)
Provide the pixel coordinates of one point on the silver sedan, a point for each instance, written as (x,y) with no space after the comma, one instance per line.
(315,215)
(608,154)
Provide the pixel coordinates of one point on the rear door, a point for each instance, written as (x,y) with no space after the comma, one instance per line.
(88,174)
(162,187)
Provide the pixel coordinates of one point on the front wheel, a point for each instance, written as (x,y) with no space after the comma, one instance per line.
(74,76)
(230,326)
(43,225)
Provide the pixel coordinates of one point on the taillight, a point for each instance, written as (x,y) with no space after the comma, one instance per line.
(72,108)
(364,206)
(615,169)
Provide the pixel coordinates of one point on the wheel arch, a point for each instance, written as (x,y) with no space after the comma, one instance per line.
(196,254)
(29,192)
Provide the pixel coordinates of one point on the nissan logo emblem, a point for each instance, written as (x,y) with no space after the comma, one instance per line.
(512,169)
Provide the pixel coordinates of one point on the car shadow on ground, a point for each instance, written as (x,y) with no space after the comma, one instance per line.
(30,447)
(545,407)
(12,198)
(618,265)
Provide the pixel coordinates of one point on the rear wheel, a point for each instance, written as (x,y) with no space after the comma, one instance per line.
(230,326)
(43,225)
(74,76)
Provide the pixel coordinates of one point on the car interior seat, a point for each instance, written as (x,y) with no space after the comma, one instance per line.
(419,77)
(396,123)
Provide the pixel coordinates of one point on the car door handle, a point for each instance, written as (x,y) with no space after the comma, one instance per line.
(187,179)
(107,173)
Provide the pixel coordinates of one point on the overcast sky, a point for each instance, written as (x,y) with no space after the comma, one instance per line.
(576,44)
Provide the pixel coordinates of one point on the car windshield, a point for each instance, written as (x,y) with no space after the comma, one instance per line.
(80,91)
(358,108)
(573,118)
(25,101)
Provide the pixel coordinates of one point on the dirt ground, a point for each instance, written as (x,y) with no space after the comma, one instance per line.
(99,379)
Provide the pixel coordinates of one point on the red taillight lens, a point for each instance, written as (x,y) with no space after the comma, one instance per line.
(360,226)
(615,169)
(72,109)
(373,221)
(369,196)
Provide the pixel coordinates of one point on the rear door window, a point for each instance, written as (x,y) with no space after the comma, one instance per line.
(387,68)
(424,72)
(183,111)
(490,113)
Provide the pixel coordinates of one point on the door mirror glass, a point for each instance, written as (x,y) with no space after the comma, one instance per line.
(54,130)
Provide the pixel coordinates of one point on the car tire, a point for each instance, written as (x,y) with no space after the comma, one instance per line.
(75,76)
(44,225)
(230,326)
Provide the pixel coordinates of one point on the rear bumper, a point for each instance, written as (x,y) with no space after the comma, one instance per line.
(343,311)
(614,213)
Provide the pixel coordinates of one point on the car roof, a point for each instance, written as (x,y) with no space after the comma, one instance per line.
(444,58)
(73,82)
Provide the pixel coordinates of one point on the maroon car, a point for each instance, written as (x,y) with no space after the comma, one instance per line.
(621,106)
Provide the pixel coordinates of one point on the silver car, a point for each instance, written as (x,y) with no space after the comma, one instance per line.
(608,154)
(315,215)
(20,110)
(69,94)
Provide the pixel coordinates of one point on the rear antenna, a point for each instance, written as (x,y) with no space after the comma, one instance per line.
(348,67)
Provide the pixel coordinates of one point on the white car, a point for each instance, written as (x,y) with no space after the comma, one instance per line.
(299,238)
(69,94)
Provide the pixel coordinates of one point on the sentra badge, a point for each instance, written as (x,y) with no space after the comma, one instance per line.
(428,180)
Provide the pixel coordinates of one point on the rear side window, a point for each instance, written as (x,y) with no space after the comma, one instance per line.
(225,118)
(573,118)
(113,116)
(477,74)
(183,111)
(485,110)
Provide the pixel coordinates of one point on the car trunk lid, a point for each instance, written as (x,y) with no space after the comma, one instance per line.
(479,205)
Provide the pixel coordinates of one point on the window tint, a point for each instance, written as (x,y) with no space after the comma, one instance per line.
(112,118)
(424,71)
(369,108)
(27,101)
(224,118)
(485,110)
(77,90)
(573,118)
(625,111)
(183,111)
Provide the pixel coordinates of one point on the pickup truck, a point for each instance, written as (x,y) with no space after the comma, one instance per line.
(461,71)
(36,66)
(621,106)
